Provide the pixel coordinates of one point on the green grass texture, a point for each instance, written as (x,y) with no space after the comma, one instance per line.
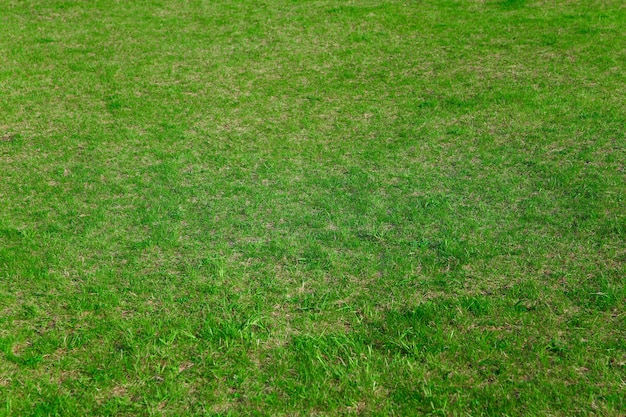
(312,208)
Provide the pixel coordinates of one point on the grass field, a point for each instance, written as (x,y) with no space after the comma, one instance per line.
(236,207)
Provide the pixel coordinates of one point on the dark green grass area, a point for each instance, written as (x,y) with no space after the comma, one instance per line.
(312,208)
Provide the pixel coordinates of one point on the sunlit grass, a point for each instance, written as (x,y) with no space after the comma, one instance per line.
(312,208)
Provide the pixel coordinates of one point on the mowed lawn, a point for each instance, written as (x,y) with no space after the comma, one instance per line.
(324,207)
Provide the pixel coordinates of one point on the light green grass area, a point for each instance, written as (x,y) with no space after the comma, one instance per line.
(325,207)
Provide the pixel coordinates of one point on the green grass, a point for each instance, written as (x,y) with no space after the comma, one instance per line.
(312,208)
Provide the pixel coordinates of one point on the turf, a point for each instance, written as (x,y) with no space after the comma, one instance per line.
(312,207)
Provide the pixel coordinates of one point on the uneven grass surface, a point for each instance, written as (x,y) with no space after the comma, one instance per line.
(312,207)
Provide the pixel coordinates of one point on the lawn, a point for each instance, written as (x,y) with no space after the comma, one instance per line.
(312,207)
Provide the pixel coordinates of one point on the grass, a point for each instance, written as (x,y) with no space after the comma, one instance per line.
(312,208)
